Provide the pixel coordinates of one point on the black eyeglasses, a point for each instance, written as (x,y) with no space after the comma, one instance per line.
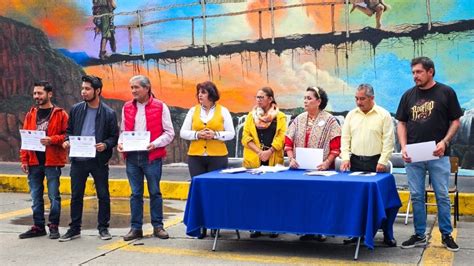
(259,97)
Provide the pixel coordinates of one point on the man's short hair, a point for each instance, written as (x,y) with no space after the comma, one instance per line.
(369,90)
(426,62)
(95,82)
(45,84)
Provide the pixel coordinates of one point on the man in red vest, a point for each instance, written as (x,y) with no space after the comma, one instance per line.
(146,113)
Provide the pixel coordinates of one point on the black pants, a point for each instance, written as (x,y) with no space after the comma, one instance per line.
(203,164)
(364,163)
(80,170)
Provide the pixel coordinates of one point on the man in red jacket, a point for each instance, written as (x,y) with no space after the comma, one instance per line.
(53,120)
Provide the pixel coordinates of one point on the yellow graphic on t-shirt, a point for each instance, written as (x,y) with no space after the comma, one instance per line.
(422,111)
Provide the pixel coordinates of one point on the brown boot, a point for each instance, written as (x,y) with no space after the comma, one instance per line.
(160,233)
(133,234)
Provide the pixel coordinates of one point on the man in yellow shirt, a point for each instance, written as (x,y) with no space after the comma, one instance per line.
(367,140)
(367,135)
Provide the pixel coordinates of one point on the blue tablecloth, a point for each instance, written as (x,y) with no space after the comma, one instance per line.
(290,202)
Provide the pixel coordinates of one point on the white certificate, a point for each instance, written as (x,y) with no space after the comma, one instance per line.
(309,158)
(82,146)
(30,140)
(423,151)
(135,140)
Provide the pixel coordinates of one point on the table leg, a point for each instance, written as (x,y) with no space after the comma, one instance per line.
(356,255)
(215,240)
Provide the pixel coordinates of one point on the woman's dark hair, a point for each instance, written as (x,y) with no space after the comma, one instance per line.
(269,93)
(45,84)
(213,93)
(321,94)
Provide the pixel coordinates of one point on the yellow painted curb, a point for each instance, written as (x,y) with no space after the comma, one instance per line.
(179,190)
(117,187)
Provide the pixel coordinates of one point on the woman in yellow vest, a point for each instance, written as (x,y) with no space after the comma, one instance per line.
(263,136)
(207,125)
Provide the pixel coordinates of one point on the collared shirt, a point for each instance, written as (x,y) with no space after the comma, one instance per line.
(227,134)
(368,134)
(140,125)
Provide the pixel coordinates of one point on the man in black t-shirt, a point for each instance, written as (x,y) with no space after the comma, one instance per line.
(430,111)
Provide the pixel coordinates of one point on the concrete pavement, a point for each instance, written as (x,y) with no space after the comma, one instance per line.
(15,217)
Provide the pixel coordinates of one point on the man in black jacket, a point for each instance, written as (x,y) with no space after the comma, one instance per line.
(92,117)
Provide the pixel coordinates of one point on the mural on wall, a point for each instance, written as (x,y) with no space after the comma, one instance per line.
(240,45)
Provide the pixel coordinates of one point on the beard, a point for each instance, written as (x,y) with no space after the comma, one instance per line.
(40,102)
(89,100)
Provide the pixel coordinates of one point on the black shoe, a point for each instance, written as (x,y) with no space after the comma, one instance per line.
(449,243)
(390,242)
(53,231)
(273,235)
(352,240)
(104,234)
(34,231)
(307,237)
(203,233)
(415,241)
(255,234)
(133,234)
(70,235)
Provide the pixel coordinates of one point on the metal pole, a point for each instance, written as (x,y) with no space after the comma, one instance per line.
(129,40)
(428,13)
(142,49)
(192,32)
(346,4)
(203,9)
(332,18)
(272,10)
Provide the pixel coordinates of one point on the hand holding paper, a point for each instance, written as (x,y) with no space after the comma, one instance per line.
(423,151)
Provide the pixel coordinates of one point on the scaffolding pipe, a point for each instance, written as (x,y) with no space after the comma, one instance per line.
(272,10)
(203,9)
(428,13)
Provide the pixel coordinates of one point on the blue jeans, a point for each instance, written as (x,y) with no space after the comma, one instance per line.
(439,172)
(137,167)
(80,170)
(36,176)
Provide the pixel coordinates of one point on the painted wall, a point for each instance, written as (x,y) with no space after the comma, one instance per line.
(337,67)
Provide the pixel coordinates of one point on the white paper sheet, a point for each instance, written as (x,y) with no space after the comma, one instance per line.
(234,170)
(309,158)
(268,169)
(423,151)
(322,173)
(30,140)
(135,140)
(82,146)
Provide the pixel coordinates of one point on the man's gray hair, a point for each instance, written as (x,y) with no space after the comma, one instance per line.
(142,80)
(369,90)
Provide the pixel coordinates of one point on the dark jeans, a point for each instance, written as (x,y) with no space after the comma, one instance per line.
(36,176)
(80,170)
(203,164)
(138,166)
(364,163)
